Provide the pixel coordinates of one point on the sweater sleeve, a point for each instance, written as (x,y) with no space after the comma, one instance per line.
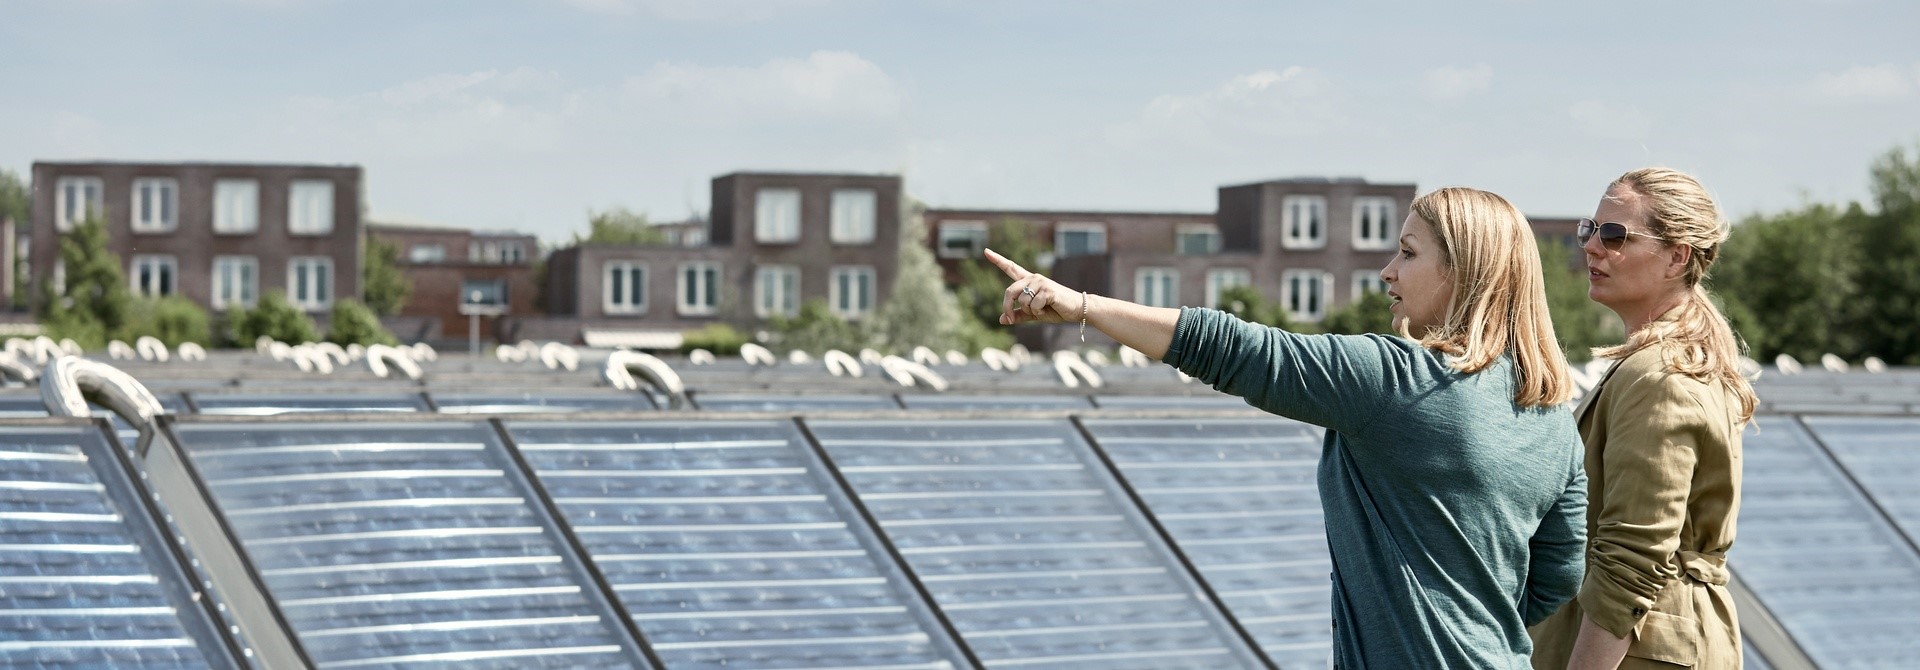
(1557,551)
(1654,432)
(1336,381)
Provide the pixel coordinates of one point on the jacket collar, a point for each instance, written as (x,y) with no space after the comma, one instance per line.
(1586,401)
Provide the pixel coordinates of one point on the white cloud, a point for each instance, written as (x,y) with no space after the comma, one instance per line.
(1294,102)
(1610,121)
(696,10)
(1868,83)
(824,84)
(1453,83)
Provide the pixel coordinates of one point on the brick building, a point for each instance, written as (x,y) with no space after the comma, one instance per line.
(450,266)
(219,234)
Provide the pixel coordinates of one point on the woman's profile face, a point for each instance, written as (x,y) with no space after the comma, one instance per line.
(1636,272)
(1418,279)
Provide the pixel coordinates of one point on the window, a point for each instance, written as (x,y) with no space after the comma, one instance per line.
(1368,281)
(236,206)
(1307,294)
(776,215)
(699,288)
(1079,239)
(776,291)
(236,281)
(1305,221)
(513,253)
(1196,240)
(427,253)
(625,288)
(850,291)
(962,239)
(76,199)
(154,276)
(1373,224)
(853,214)
(485,292)
(310,282)
(1218,281)
(310,207)
(155,203)
(1154,287)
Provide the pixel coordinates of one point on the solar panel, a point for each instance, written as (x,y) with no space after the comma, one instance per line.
(1884,456)
(1751,658)
(730,548)
(1239,498)
(1025,544)
(17,405)
(85,580)
(732,402)
(995,402)
(1215,401)
(529,403)
(250,404)
(1835,574)
(402,543)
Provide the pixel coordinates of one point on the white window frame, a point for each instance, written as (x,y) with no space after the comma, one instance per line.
(164,215)
(854,309)
(705,275)
(855,216)
(1310,233)
(1156,286)
(954,229)
(246,294)
(1297,306)
(1221,279)
(438,255)
(1060,232)
(310,207)
(1374,227)
(513,253)
(776,216)
(157,262)
(1367,280)
(1210,230)
(622,272)
(773,297)
(91,196)
(310,303)
(236,206)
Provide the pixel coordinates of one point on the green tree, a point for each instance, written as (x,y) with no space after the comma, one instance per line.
(920,311)
(620,226)
(982,285)
(173,319)
(273,317)
(1887,309)
(16,203)
(1578,322)
(353,323)
(1247,303)
(385,288)
(1370,314)
(94,304)
(816,329)
(1790,277)
(720,339)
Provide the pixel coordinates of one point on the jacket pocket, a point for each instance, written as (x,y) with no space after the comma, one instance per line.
(1668,639)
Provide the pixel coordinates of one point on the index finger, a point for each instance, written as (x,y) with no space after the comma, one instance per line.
(1013,270)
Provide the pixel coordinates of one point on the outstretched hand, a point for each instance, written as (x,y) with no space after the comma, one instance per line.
(1032,297)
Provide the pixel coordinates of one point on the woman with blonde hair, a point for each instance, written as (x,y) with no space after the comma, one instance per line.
(1662,432)
(1450,475)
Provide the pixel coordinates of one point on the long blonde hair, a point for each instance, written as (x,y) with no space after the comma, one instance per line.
(1499,301)
(1678,210)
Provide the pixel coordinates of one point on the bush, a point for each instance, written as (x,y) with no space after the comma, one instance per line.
(1370,314)
(719,338)
(174,320)
(354,323)
(816,329)
(273,317)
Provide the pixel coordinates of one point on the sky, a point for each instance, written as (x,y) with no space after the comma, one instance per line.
(528,115)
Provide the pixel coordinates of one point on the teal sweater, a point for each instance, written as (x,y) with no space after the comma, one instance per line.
(1455,518)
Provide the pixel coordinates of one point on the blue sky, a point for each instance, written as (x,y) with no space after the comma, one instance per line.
(526,115)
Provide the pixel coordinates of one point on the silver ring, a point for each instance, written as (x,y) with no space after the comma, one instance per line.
(1028,291)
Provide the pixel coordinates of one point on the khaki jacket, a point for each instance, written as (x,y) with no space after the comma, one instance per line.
(1663,466)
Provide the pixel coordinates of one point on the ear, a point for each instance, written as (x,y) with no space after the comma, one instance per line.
(1677,258)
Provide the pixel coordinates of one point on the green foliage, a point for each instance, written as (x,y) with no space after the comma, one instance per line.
(982,285)
(273,317)
(1578,322)
(1247,303)
(95,302)
(353,323)
(1790,277)
(16,202)
(720,339)
(172,319)
(815,329)
(1370,314)
(1887,309)
(620,226)
(385,289)
(920,311)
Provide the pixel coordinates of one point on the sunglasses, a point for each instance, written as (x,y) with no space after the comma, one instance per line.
(1612,234)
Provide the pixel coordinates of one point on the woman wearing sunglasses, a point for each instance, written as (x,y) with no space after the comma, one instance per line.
(1450,477)
(1662,432)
